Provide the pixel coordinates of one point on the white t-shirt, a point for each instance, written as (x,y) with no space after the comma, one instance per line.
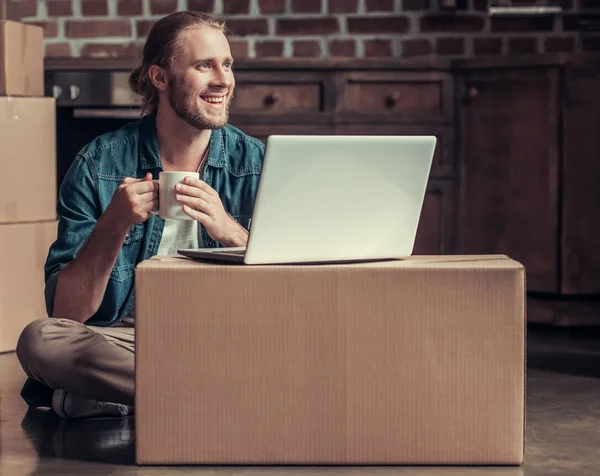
(178,234)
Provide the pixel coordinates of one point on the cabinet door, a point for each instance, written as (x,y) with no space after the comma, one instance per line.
(435,232)
(509,169)
(581,182)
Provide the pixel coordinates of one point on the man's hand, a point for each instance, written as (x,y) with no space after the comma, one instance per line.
(134,200)
(201,202)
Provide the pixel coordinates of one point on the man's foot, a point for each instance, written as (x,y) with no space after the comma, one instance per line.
(69,405)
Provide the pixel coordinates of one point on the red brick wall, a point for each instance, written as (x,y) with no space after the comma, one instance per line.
(308,28)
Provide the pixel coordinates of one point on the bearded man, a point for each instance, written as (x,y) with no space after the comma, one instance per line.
(80,361)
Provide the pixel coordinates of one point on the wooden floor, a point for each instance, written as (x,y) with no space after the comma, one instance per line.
(563,437)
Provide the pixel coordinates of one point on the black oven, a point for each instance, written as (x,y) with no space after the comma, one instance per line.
(88,103)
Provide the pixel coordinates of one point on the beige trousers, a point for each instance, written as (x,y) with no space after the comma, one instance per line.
(94,362)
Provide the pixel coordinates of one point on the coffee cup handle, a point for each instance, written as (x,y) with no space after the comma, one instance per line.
(156,211)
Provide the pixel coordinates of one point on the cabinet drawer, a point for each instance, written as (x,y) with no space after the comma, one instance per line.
(443,165)
(383,96)
(277,97)
(279,94)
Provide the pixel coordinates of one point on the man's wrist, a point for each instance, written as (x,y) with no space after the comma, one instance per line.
(237,237)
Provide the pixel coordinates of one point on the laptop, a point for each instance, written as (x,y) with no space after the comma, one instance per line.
(334,199)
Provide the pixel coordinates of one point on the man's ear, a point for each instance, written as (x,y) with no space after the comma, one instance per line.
(159,77)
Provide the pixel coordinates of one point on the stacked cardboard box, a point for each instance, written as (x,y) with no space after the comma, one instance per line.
(28,179)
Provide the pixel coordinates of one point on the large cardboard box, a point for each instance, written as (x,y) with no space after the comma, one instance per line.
(417,361)
(21,59)
(27,159)
(23,251)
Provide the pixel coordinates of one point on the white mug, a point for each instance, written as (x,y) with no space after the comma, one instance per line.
(168,207)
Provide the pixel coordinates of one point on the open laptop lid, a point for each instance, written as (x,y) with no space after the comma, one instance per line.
(339,198)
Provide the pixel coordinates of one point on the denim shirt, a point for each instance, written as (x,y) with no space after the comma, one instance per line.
(233,168)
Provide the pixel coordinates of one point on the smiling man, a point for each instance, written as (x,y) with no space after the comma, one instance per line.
(81,360)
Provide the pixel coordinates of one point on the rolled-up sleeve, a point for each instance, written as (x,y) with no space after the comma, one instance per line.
(77,210)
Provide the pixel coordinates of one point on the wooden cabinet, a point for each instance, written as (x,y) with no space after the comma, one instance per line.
(509,161)
(580,205)
(529,165)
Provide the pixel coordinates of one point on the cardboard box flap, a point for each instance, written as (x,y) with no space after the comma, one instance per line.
(430,262)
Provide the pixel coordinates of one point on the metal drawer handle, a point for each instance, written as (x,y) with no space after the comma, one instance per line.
(392,99)
(470,93)
(271,98)
(74,92)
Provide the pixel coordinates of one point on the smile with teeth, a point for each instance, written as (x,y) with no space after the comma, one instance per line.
(213,99)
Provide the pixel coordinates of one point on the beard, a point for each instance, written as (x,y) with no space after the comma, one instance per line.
(185,104)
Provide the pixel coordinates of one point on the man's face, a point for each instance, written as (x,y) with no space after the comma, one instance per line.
(201,81)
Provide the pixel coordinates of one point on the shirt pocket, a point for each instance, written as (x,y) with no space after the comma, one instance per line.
(135,233)
(124,268)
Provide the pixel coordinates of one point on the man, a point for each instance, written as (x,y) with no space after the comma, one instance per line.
(82,359)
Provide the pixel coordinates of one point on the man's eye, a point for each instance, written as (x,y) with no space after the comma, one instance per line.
(205,65)
(227,64)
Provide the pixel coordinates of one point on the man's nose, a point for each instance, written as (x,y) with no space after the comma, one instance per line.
(223,77)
